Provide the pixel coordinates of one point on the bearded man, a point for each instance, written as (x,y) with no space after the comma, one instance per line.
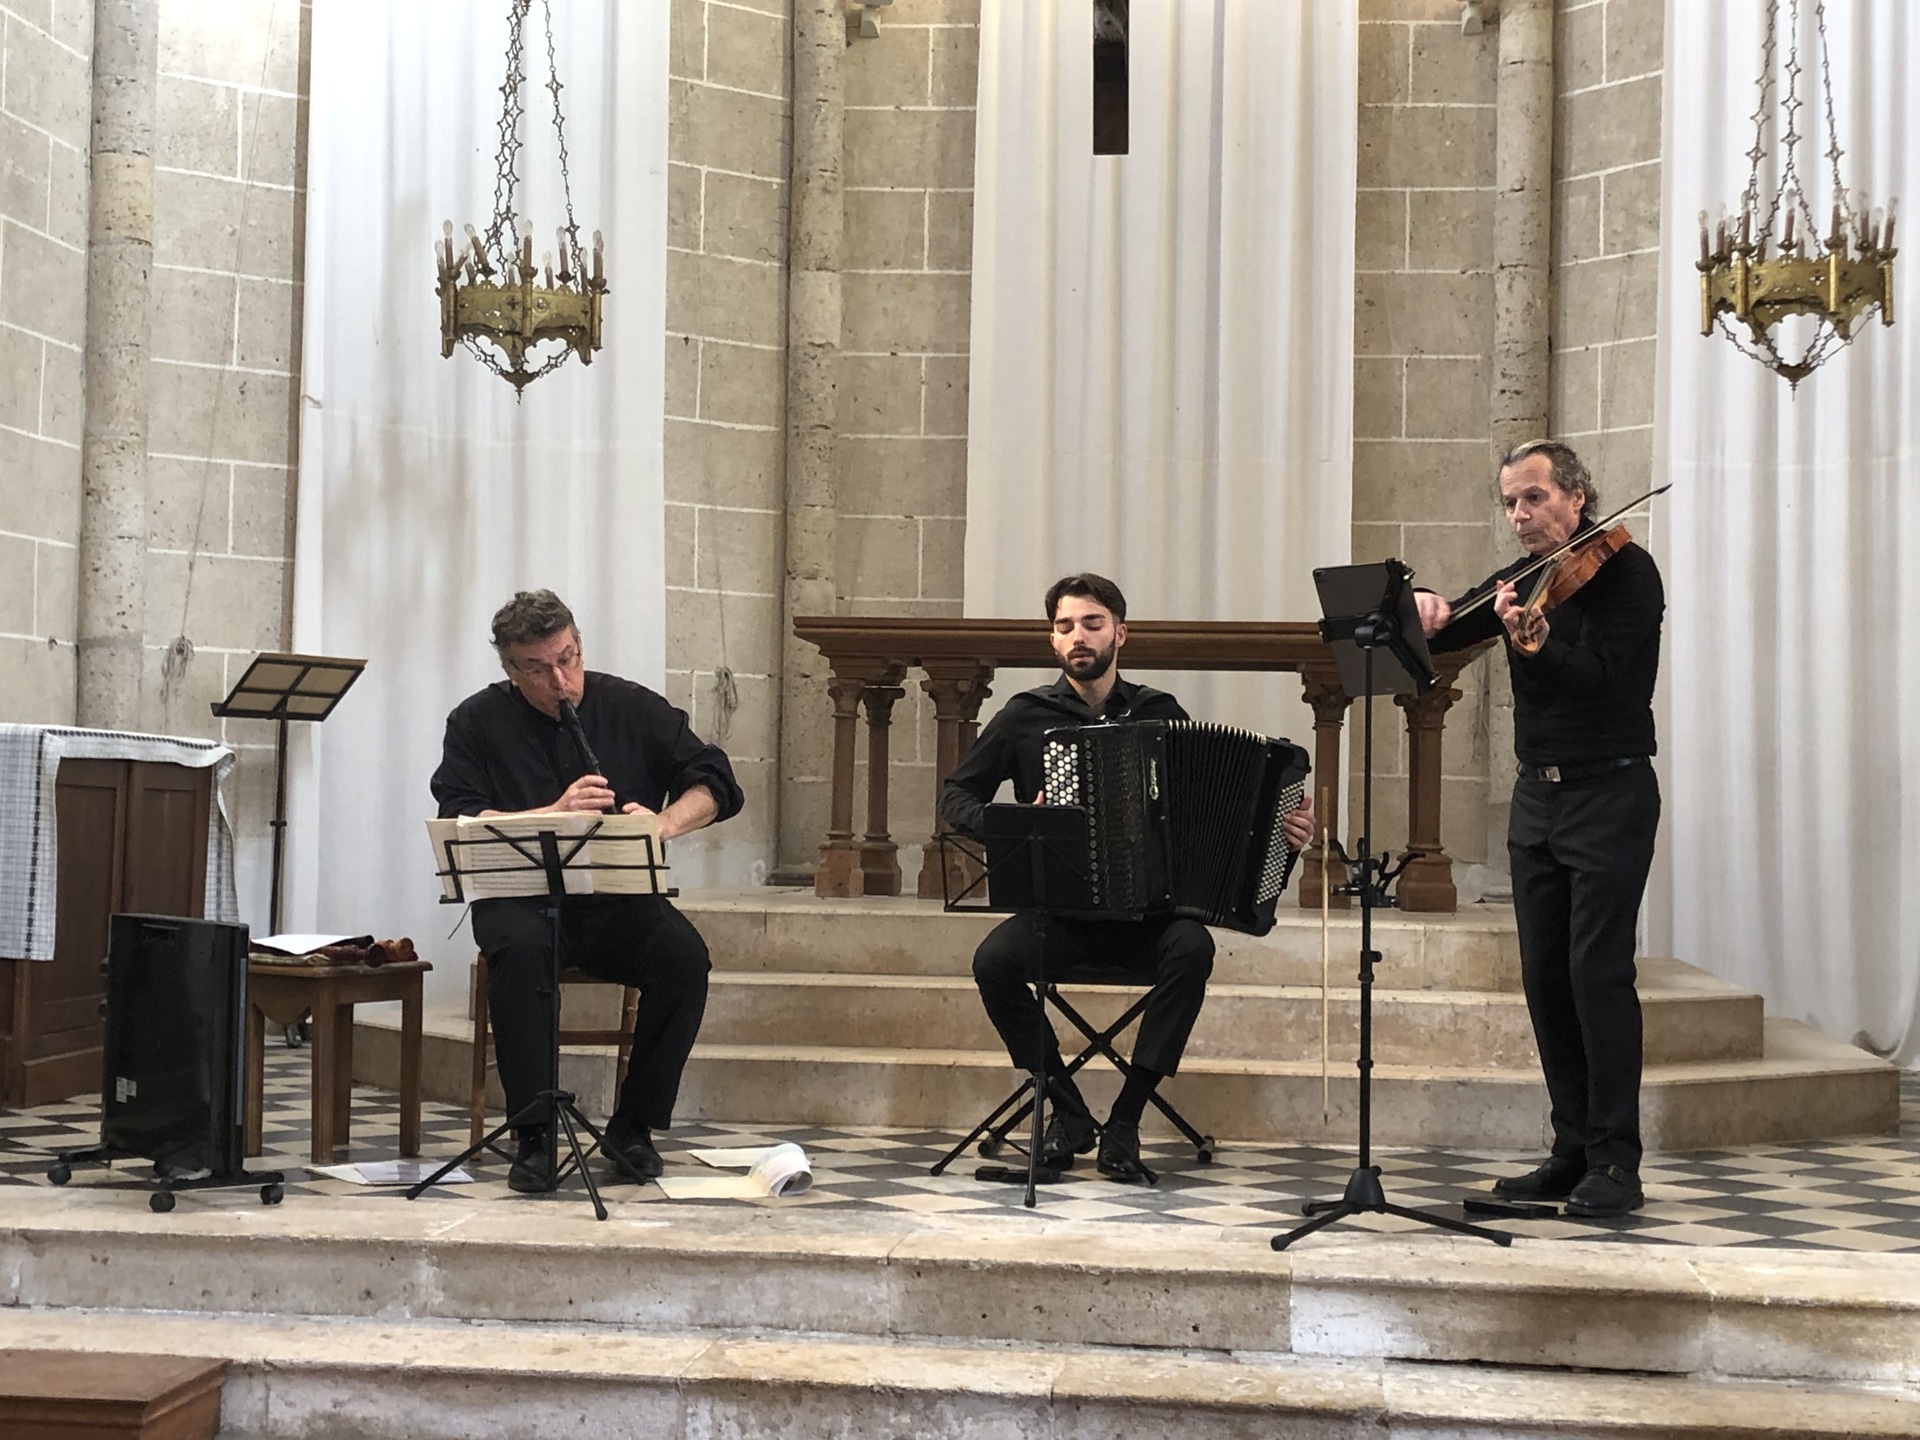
(1088,615)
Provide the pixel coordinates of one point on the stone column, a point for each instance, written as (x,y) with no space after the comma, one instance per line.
(113,447)
(813,358)
(1520,394)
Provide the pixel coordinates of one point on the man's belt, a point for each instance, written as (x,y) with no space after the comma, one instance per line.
(1560,774)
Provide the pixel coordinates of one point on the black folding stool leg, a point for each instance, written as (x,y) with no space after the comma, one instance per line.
(1100,1042)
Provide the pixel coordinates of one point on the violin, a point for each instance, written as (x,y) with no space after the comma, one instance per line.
(1577,567)
(1568,567)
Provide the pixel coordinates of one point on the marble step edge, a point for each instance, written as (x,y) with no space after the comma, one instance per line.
(427,1380)
(1743,1313)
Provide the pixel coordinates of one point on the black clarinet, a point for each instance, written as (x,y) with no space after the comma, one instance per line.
(570,718)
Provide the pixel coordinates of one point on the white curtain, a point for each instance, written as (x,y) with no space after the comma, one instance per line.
(427,493)
(1163,341)
(1792,724)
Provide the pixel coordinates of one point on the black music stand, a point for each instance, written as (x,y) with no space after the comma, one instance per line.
(287,687)
(546,856)
(1370,608)
(1030,860)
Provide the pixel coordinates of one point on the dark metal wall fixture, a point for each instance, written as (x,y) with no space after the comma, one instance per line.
(1110,77)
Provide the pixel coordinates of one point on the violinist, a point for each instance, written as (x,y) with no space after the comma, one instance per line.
(1583,646)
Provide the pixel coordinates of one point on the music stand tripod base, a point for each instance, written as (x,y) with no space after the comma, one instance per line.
(553,1108)
(1371,607)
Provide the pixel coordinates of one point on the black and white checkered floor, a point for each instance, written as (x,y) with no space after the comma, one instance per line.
(1858,1195)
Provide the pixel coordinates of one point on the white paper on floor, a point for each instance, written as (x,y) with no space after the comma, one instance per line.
(389,1172)
(780,1171)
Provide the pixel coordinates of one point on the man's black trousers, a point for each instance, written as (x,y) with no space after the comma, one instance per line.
(1580,852)
(1174,956)
(638,940)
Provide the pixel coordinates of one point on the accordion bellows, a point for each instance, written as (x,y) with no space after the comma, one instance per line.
(1182,817)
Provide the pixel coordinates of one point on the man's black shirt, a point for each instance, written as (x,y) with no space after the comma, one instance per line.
(1013,744)
(1588,693)
(503,754)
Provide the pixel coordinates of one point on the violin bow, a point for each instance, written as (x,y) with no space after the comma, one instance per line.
(1326,899)
(1552,557)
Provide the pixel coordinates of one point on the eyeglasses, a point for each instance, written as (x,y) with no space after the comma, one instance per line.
(568,658)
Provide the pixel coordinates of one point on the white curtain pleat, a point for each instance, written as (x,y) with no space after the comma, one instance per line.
(427,493)
(1162,350)
(1791,739)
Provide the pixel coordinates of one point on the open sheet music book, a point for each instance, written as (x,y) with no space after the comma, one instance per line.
(486,857)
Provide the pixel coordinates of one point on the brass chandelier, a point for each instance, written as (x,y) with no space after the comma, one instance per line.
(493,299)
(1837,280)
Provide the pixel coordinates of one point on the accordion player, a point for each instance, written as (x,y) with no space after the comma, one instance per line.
(1181,818)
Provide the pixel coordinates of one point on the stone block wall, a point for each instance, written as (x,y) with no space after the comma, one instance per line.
(1423,337)
(228,225)
(229,232)
(907,291)
(727,145)
(45,101)
(1607,236)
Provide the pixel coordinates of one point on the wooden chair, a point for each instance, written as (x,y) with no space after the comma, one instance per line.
(621,1039)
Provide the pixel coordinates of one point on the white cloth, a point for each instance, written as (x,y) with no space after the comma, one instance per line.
(1163,341)
(30,757)
(1792,669)
(428,494)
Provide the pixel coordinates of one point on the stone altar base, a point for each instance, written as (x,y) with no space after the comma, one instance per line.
(863,1012)
(350,1316)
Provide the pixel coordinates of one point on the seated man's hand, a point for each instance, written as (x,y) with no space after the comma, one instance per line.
(590,793)
(1298,826)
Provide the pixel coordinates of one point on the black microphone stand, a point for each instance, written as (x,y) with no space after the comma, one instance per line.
(1364,1194)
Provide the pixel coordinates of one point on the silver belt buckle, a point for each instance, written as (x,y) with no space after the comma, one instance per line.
(1543,772)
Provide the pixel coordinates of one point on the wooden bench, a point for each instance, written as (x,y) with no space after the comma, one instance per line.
(87,1394)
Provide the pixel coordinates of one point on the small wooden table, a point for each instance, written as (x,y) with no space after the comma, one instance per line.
(284,994)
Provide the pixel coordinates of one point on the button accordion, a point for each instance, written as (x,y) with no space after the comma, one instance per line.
(1181,817)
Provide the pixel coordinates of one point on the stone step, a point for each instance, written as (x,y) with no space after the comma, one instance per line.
(771,929)
(705,1275)
(1689,1015)
(1805,1086)
(428,1380)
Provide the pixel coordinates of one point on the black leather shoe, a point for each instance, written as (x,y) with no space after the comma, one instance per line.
(1119,1157)
(1069,1133)
(1606,1191)
(633,1144)
(532,1172)
(1553,1180)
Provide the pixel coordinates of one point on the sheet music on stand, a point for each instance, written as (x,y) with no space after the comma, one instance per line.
(488,857)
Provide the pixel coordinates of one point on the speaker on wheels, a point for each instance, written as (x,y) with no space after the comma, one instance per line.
(172,1083)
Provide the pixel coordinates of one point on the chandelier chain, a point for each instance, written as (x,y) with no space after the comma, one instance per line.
(1763,112)
(1834,152)
(503,235)
(571,259)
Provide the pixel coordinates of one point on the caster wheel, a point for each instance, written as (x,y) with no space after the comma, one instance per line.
(161,1202)
(271,1194)
(990,1148)
(161,1169)
(1206,1152)
(59,1172)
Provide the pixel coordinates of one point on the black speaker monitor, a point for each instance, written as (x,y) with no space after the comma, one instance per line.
(171,1083)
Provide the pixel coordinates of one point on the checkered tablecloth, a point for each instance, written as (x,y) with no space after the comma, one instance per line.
(30,757)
